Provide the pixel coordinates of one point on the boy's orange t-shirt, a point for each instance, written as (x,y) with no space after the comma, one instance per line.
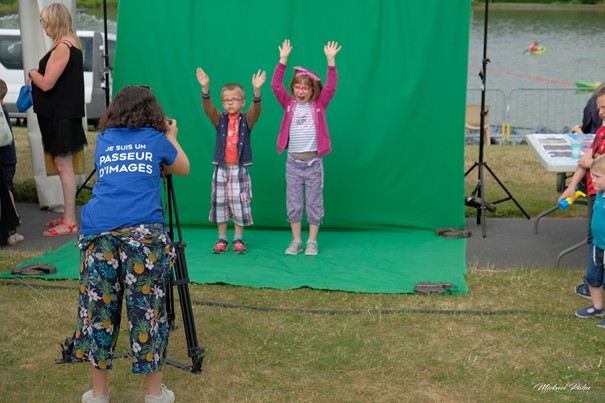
(232,139)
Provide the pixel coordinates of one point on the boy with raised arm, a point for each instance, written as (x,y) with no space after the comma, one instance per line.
(231,184)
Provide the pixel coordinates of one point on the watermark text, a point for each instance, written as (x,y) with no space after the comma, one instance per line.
(568,387)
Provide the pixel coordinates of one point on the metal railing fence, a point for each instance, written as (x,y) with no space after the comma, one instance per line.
(531,110)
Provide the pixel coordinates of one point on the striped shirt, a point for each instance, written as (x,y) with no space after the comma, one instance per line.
(303,135)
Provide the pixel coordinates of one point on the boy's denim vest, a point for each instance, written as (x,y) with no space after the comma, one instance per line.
(244,149)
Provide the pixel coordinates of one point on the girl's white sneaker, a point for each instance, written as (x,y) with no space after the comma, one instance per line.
(167,396)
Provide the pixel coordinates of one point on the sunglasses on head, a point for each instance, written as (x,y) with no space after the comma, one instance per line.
(148,88)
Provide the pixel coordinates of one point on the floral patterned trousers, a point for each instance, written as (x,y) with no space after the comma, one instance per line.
(133,262)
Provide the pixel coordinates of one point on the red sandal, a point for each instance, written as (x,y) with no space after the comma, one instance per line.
(71,229)
(55,222)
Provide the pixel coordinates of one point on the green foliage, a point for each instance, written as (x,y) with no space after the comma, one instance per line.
(25,191)
(84,196)
(95,3)
(12,6)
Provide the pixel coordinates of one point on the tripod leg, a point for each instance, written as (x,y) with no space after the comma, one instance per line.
(83,186)
(471,168)
(510,196)
(481,217)
(196,352)
(181,280)
(478,202)
(170,303)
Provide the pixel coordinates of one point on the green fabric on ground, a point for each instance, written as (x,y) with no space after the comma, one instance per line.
(396,171)
(359,261)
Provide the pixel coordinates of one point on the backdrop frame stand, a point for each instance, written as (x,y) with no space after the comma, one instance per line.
(106,87)
(479,190)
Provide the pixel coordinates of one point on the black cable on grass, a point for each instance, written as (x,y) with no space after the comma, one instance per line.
(380,311)
(333,311)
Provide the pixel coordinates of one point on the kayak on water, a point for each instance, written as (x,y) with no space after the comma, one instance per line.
(584,84)
(541,49)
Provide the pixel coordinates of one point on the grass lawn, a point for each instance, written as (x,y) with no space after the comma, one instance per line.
(513,335)
(513,338)
(522,174)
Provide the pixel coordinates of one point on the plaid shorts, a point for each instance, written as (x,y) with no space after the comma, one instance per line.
(231,196)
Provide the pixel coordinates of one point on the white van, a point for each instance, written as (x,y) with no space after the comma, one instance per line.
(11,70)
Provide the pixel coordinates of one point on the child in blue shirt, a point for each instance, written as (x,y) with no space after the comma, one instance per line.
(596,263)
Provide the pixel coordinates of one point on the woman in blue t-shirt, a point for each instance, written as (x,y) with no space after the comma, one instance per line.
(125,249)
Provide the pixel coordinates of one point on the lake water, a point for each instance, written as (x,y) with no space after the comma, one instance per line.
(537,92)
(575,43)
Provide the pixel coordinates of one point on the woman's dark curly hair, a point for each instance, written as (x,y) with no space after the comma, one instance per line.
(134,107)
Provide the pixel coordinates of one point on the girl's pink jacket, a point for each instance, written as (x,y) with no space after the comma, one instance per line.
(318,106)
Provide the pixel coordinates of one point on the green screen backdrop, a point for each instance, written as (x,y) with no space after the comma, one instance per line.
(396,121)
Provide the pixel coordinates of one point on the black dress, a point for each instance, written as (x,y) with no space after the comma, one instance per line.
(60,110)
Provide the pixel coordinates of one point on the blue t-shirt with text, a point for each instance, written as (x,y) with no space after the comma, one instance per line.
(128,189)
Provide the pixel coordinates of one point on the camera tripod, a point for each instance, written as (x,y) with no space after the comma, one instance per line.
(180,279)
(477,197)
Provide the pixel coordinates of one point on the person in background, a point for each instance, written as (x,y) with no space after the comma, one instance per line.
(534,46)
(304,132)
(58,100)
(591,121)
(594,273)
(231,184)
(126,251)
(8,164)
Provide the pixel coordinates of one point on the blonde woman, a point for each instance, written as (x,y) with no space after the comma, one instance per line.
(58,100)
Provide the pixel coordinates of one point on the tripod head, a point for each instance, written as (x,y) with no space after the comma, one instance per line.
(170,208)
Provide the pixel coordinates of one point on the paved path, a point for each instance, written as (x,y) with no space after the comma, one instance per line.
(32,225)
(509,242)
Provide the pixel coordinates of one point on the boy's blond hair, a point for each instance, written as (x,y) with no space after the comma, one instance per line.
(234,87)
(3,90)
(598,164)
